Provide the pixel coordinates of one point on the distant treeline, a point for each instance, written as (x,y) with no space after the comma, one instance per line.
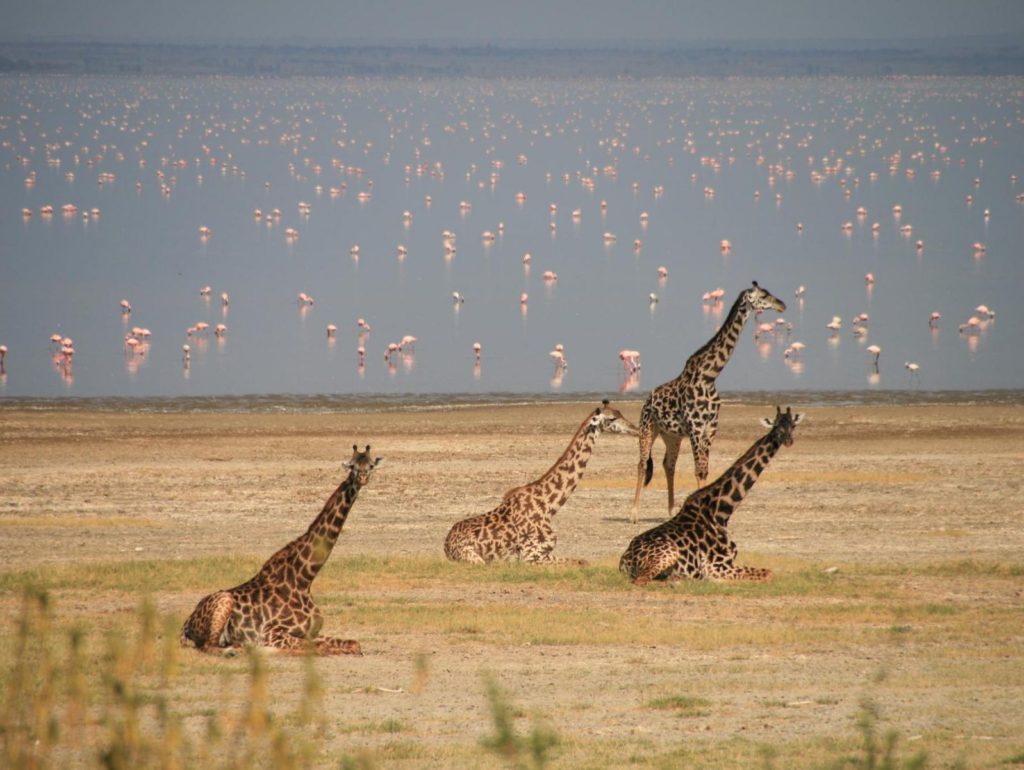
(497,61)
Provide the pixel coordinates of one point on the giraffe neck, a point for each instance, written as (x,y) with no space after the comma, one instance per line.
(307,554)
(709,361)
(554,487)
(728,491)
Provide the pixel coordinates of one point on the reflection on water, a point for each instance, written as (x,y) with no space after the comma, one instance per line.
(291,235)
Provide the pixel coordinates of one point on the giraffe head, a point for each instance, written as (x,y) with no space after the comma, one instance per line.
(761,299)
(361,466)
(783,424)
(606,417)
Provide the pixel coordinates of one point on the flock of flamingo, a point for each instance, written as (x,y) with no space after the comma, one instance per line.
(297,134)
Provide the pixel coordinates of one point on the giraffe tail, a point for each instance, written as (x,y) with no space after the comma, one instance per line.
(650,470)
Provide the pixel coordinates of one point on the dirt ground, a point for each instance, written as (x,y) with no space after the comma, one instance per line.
(897,488)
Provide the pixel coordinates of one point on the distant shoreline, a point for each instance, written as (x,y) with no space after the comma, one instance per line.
(932,57)
(372,402)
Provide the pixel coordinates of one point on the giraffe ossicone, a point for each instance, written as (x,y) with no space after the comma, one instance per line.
(520,528)
(274,609)
(689,404)
(695,543)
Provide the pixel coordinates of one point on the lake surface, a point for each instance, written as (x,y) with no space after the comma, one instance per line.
(678,165)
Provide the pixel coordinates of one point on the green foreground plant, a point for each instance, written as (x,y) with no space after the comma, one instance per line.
(120,717)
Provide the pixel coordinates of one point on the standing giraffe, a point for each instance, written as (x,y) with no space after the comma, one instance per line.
(695,543)
(520,527)
(275,609)
(689,404)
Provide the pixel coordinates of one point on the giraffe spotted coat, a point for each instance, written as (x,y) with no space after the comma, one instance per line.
(689,404)
(520,528)
(695,543)
(275,609)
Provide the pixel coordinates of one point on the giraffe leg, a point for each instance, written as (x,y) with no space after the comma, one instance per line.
(644,466)
(280,639)
(700,443)
(206,624)
(672,443)
(732,572)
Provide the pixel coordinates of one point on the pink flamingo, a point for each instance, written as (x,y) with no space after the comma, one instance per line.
(559,355)
(662,272)
(985,311)
(630,360)
(3,354)
(476,351)
(408,342)
(869,278)
(220,330)
(331,330)
(205,292)
(224,299)
(126,307)
(876,352)
(793,351)
(934,318)
(361,352)
(364,327)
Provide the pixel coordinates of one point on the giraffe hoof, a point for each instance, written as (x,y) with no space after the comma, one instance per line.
(351,647)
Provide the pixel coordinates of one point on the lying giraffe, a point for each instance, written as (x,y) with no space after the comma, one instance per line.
(275,609)
(689,404)
(695,542)
(520,527)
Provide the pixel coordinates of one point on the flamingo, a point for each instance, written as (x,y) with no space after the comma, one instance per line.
(630,360)
(476,351)
(662,272)
(835,324)
(793,351)
(224,299)
(331,330)
(220,330)
(913,368)
(186,353)
(652,298)
(971,325)
(869,278)
(559,355)
(800,291)
(934,318)
(408,341)
(205,291)
(126,307)
(363,326)
(875,351)
(457,298)
(3,354)
(985,311)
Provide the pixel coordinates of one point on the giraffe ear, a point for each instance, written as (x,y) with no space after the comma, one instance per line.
(766,422)
(798,418)
(377,461)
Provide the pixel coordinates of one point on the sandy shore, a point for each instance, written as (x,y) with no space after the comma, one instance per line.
(903,500)
(861,483)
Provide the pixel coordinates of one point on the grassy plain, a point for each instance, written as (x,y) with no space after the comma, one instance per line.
(895,534)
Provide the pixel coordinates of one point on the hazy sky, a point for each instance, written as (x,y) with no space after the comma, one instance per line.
(513,20)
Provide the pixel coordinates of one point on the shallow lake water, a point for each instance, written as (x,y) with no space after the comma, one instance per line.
(600,182)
